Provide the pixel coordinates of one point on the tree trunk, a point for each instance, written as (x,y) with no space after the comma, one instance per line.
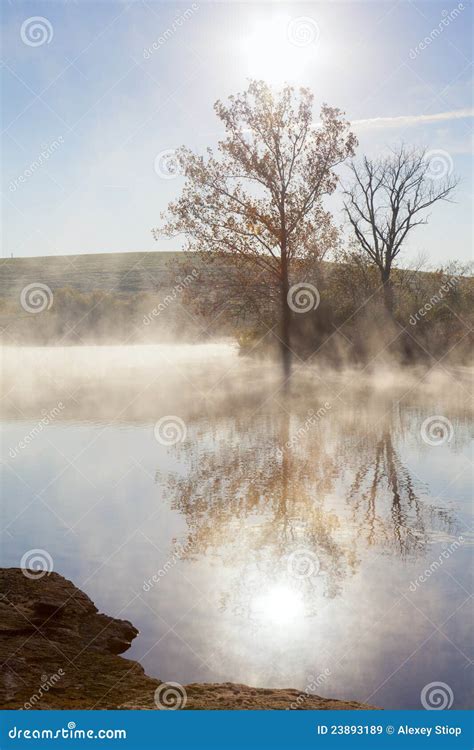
(285,323)
(387,291)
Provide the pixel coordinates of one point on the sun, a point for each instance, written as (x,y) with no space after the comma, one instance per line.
(280,48)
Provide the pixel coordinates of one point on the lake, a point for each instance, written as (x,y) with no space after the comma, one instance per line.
(320,540)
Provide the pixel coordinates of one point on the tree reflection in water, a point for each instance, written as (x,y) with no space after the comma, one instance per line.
(386,508)
(293,517)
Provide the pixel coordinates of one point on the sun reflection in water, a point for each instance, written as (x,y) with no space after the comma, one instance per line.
(279,605)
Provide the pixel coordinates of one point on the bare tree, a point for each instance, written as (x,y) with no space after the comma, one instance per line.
(387,199)
(258,201)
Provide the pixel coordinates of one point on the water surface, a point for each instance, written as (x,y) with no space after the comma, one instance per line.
(283,542)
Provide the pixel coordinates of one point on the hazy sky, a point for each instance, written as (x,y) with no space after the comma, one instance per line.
(102,88)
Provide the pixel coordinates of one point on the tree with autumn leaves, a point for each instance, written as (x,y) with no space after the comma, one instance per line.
(258,200)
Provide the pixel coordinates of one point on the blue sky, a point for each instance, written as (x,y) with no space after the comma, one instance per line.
(102,107)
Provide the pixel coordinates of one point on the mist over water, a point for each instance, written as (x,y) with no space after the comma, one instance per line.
(255,537)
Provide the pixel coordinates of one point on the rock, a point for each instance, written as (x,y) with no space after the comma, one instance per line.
(223,696)
(46,609)
(13,622)
(58,652)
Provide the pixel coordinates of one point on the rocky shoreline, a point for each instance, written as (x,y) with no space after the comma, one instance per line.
(58,652)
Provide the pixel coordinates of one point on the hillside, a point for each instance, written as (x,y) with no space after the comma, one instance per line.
(111,272)
(100,298)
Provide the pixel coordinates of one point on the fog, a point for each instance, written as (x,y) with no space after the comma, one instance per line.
(138,382)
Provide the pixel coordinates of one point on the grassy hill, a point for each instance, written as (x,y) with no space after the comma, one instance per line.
(104,297)
(126,273)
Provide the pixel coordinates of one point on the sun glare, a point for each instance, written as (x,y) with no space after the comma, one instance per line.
(280,605)
(279,49)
